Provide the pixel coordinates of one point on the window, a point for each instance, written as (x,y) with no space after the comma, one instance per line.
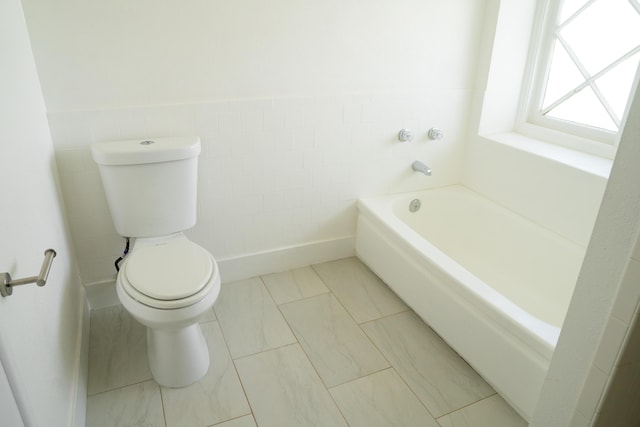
(587,61)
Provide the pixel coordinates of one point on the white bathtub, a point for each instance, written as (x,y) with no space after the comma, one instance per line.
(492,284)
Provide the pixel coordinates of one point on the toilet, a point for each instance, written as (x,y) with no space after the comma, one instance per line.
(166,281)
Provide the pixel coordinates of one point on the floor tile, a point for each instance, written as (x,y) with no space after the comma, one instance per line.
(490,412)
(208,316)
(335,325)
(285,391)
(117,350)
(134,405)
(381,400)
(216,397)
(246,421)
(294,285)
(441,379)
(335,344)
(250,320)
(362,293)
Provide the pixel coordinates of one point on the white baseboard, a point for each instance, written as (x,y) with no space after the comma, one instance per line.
(286,258)
(103,294)
(82,366)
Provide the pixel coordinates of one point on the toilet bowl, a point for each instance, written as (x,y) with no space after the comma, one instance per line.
(168,284)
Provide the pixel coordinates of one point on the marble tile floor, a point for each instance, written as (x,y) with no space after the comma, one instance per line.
(325,345)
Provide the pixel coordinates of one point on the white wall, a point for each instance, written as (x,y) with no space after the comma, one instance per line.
(298,105)
(562,198)
(604,307)
(40,334)
(564,192)
(94,55)
(552,186)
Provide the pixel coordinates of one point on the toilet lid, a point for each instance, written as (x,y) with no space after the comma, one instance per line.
(170,270)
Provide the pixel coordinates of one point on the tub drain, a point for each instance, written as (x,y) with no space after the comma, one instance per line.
(414,206)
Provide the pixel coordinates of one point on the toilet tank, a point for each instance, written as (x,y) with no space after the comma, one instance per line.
(151,185)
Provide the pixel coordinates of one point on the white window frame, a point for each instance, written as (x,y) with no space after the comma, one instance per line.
(530,121)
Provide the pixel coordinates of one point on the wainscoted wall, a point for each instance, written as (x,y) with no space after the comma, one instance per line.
(274,172)
(298,105)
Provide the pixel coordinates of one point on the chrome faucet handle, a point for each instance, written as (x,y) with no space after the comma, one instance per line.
(435,133)
(405,135)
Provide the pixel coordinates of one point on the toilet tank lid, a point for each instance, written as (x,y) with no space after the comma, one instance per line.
(141,151)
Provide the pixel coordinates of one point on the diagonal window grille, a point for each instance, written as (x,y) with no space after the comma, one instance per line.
(594,61)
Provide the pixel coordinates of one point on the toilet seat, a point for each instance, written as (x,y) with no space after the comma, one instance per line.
(168,275)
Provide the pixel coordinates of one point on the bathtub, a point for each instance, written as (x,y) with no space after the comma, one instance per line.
(495,286)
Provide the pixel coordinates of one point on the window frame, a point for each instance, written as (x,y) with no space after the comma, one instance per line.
(530,121)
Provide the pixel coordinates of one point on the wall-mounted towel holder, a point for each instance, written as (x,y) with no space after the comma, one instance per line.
(7,284)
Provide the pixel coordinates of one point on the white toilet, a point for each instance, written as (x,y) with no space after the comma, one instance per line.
(166,281)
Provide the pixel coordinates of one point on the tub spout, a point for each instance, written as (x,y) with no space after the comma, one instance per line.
(418,166)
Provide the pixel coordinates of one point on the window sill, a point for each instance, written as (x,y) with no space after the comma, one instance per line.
(589,163)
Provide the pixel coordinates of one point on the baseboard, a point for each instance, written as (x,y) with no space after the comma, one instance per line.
(82,366)
(286,258)
(103,293)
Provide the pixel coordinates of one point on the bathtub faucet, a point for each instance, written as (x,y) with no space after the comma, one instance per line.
(418,166)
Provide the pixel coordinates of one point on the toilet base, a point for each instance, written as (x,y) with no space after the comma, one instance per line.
(177,357)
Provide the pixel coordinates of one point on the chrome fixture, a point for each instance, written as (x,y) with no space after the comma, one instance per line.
(405,135)
(418,166)
(6,287)
(435,133)
(414,206)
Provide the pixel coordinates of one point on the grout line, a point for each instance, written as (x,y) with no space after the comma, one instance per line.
(298,343)
(362,377)
(335,402)
(468,404)
(266,351)
(306,354)
(331,294)
(121,387)
(234,418)
(392,366)
(164,412)
(327,388)
(384,316)
(447,344)
(303,298)
(244,391)
(201,322)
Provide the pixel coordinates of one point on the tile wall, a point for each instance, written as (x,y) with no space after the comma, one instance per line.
(274,173)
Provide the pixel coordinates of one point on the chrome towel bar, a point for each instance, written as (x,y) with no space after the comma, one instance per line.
(6,287)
